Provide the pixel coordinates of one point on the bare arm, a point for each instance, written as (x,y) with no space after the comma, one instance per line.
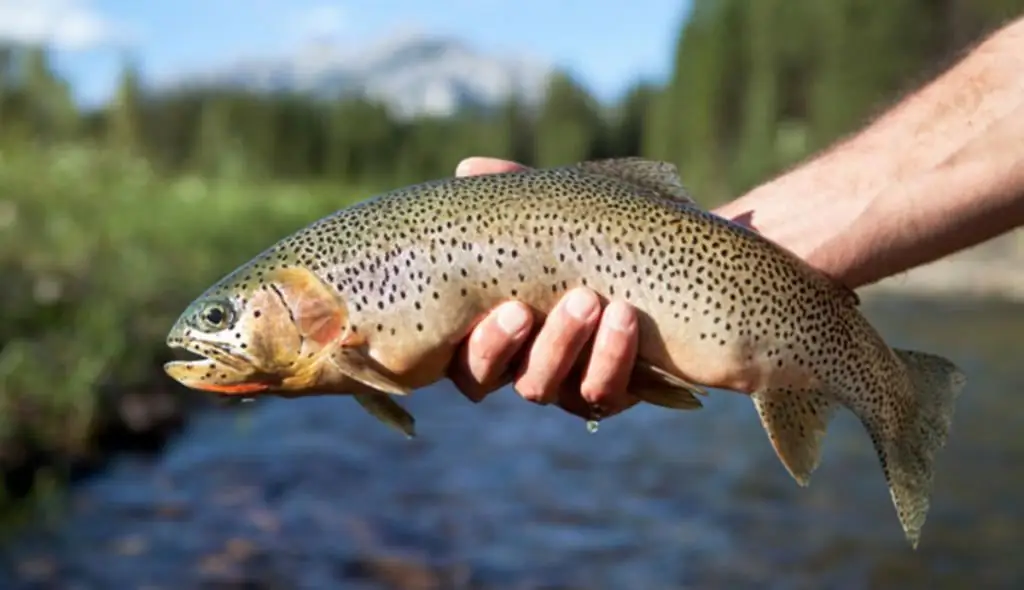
(941,171)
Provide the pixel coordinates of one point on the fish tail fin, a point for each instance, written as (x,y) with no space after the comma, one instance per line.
(907,446)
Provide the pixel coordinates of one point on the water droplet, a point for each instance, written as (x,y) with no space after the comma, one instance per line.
(592,426)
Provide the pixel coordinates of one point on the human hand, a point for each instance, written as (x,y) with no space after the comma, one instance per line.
(575,326)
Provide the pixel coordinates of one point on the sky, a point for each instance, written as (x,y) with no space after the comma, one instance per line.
(606,43)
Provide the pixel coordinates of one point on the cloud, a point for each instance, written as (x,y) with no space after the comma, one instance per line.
(72,25)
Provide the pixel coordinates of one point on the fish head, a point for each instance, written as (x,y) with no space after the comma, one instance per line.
(266,332)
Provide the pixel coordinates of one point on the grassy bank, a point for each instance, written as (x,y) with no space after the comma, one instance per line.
(98,253)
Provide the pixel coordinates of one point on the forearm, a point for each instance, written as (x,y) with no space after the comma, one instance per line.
(939,172)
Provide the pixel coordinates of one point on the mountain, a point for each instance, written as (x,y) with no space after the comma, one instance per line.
(414,74)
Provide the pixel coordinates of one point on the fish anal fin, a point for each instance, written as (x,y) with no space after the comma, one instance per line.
(795,421)
(661,177)
(388,411)
(655,386)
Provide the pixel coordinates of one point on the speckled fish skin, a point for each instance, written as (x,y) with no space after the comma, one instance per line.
(385,290)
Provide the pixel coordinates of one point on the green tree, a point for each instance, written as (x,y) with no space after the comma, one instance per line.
(755,145)
(569,126)
(362,140)
(518,131)
(124,117)
(629,128)
(52,115)
(215,149)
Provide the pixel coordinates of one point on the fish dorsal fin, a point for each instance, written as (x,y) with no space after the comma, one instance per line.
(656,175)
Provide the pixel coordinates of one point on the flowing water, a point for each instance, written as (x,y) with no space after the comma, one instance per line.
(314,494)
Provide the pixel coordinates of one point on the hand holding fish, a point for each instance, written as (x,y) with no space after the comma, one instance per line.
(576,326)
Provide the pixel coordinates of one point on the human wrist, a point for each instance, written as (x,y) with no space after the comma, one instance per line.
(807,212)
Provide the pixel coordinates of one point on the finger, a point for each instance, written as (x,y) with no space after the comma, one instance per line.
(557,345)
(573,403)
(483,358)
(611,362)
(475,166)
(570,400)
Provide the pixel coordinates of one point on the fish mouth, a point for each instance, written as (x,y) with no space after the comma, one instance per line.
(203,359)
(209,351)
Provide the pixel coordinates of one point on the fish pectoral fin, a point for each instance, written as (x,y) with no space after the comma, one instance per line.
(655,386)
(387,410)
(354,363)
(796,421)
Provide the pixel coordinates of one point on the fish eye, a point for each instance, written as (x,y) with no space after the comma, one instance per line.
(215,315)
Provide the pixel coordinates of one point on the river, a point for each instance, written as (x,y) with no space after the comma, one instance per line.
(313,494)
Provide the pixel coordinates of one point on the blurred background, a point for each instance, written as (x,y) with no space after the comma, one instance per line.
(147,148)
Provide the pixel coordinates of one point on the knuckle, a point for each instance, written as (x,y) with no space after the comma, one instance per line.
(533,393)
(599,391)
(605,381)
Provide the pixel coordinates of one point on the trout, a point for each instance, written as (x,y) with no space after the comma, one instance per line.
(373,300)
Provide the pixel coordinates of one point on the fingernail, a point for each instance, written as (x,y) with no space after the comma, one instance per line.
(619,317)
(465,167)
(513,319)
(580,305)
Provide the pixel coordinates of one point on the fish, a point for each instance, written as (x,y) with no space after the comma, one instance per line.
(373,301)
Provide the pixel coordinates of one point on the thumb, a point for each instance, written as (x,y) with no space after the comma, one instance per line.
(476,165)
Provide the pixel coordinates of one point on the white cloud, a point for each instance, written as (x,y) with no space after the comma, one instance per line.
(72,25)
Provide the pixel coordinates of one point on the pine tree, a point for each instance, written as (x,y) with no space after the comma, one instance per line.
(124,116)
(569,125)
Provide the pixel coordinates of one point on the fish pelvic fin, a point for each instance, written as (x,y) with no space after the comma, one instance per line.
(388,411)
(660,388)
(906,447)
(796,421)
